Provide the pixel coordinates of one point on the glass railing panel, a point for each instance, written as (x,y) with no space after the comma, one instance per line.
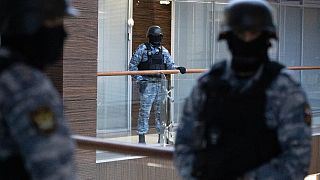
(112,104)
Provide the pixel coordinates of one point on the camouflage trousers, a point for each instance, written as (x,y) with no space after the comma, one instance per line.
(151,93)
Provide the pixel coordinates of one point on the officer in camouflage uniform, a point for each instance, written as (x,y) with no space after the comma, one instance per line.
(246,118)
(35,142)
(151,56)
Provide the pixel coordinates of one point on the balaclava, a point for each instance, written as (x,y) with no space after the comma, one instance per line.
(39,49)
(248,56)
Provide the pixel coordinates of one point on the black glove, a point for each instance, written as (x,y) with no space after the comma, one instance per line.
(182,69)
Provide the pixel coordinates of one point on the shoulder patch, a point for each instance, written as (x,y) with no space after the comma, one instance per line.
(307,114)
(43,119)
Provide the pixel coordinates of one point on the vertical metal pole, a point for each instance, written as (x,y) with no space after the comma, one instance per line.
(129,44)
(302,38)
(213,60)
(282,29)
(163,109)
(173,15)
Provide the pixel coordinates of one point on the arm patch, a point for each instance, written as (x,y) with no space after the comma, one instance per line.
(43,119)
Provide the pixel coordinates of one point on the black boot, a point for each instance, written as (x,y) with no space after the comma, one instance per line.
(158,138)
(142,139)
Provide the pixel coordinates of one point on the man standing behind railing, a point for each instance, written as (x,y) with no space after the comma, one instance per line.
(151,56)
(246,118)
(35,142)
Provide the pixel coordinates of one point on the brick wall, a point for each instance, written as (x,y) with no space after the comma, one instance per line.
(80,81)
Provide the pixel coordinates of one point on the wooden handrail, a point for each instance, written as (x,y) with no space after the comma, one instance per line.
(304,67)
(93,143)
(151,72)
(147,72)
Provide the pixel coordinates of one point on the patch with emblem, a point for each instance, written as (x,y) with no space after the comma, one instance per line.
(307,114)
(43,119)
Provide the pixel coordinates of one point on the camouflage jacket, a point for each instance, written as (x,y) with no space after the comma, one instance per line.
(32,125)
(285,111)
(140,55)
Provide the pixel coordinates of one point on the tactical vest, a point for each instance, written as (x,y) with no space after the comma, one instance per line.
(236,136)
(154,62)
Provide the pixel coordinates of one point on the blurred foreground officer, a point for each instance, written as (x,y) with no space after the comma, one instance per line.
(35,142)
(151,56)
(246,118)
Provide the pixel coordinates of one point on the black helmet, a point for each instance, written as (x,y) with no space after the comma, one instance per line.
(154,31)
(248,15)
(26,16)
(155,35)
